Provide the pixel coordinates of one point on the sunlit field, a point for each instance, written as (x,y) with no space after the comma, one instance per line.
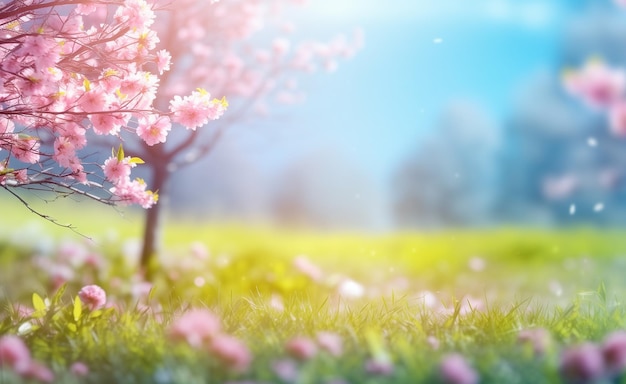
(254,304)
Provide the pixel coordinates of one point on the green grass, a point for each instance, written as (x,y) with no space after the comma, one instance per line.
(473,291)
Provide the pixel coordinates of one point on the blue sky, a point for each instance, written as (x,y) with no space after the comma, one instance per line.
(419,56)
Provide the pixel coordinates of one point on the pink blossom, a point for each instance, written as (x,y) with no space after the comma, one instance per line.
(196,327)
(454,369)
(614,352)
(560,187)
(26,149)
(134,192)
(301,348)
(64,151)
(95,100)
(232,352)
(163,59)
(21,176)
(617,118)
(330,342)
(14,354)
(306,267)
(93,296)
(280,46)
(598,85)
(115,170)
(137,13)
(582,363)
(6,126)
(85,9)
(105,123)
(153,129)
(190,111)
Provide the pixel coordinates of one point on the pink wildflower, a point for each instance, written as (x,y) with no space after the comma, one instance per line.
(232,352)
(538,338)
(454,369)
(196,327)
(301,348)
(39,372)
(286,370)
(379,366)
(14,354)
(330,342)
(614,352)
(79,369)
(582,363)
(93,296)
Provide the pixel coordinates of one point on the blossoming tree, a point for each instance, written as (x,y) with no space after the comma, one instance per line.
(80,76)
(602,88)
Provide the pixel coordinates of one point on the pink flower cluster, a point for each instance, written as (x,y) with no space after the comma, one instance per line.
(117,171)
(305,348)
(197,109)
(68,69)
(201,329)
(14,354)
(589,362)
(601,87)
(222,56)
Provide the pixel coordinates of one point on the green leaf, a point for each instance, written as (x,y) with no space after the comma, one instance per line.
(56,299)
(602,293)
(120,153)
(38,303)
(136,160)
(96,313)
(78,308)
(71,327)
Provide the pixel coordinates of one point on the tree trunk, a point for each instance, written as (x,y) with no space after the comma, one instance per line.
(152,225)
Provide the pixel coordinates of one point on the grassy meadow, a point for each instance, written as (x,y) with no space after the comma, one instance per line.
(252,304)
